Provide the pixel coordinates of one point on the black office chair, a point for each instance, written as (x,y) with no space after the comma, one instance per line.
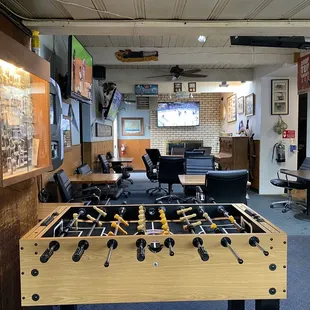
(288,186)
(229,186)
(207,149)
(90,195)
(152,175)
(84,169)
(154,155)
(197,166)
(169,170)
(105,166)
(109,155)
(197,153)
(177,151)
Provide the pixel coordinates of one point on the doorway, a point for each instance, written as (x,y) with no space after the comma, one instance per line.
(302,128)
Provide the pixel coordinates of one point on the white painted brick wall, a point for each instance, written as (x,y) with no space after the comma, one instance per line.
(208,130)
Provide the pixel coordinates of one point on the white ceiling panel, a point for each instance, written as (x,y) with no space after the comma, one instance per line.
(158,41)
(198,9)
(277,9)
(217,41)
(238,9)
(79,13)
(190,42)
(303,14)
(173,41)
(159,9)
(121,7)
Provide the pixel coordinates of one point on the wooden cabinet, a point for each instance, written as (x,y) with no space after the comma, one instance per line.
(233,153)
(24,113)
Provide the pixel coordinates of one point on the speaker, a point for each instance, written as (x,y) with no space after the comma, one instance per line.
(99,72)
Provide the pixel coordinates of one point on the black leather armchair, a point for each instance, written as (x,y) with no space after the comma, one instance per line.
(288,185)
(207,150)
(169,170)
(83,169)
(89,195)
(152,175)
(195,153)
(226,186)
(154,155)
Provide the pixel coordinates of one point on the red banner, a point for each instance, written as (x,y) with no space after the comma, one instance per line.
(288,134)
(304,74)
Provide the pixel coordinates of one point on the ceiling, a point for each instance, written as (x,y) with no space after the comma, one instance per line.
(164,9)
(168,67)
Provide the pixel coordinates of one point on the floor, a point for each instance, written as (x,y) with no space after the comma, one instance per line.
(298,255)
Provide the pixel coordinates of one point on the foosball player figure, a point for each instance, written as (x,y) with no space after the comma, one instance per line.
(141,221)
(164,222)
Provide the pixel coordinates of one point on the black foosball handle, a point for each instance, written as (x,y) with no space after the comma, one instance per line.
(203,254)
(141,244)
(82,247)
(169,243)
(48,253)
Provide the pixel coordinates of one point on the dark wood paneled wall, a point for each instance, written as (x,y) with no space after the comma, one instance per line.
(91,150)
(18,213)
(135,148)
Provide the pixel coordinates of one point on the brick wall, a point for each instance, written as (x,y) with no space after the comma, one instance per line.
(208,130)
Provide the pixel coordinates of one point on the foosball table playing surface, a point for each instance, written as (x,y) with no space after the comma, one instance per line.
(154,253)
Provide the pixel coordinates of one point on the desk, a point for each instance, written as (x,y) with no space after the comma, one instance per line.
(44,209)
(95,178)
(195,180)
(304,175)
(120,160)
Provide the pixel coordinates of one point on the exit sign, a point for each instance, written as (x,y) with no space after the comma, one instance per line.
(288,134)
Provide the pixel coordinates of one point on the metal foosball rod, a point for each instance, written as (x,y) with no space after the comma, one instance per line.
(112,244)
(208,218)
(253,241)
(222,210)
(197,242)
(226,243)
(83,245)
(54,245)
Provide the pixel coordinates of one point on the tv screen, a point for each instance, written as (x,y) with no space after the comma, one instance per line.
(113,107)
(173,114)
(81,71)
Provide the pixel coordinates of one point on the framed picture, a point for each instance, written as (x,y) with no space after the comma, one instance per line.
(241,105)
(132,126)
(232,108)
(192,87)
(279,97)
(177,87)
(250,105)
(66,127)
(103,130)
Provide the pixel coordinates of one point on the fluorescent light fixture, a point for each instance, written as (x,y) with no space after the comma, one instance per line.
(224,84)
(202,39)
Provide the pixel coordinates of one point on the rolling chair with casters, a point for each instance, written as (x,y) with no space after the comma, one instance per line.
(152,175)
(154,155)
(226,186)
(197,153)
(288,185)
(177,151)
(207,150)
(90,195)
(109,155)
(169,170)
(106,169)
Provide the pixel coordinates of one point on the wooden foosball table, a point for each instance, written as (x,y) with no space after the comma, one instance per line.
(154,253)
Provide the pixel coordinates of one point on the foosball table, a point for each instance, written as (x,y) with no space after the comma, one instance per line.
(154,253)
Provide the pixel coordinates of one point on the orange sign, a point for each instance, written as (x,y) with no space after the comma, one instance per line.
(304,74)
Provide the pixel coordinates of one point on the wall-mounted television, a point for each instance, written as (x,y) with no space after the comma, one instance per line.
(80,71)
(113,107)
(177,114)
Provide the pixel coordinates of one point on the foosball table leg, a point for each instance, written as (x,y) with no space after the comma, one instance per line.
(236,305)
(268,304)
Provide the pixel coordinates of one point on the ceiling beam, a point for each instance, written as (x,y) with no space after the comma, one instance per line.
(234,55)
(164,28)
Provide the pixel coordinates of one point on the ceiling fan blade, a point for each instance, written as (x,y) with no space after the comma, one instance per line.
(156,76)
(195,75)
(191,71)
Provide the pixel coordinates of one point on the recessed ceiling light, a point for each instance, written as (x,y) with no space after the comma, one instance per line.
(202,39)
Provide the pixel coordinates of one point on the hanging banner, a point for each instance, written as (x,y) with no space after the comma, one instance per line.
(303,74)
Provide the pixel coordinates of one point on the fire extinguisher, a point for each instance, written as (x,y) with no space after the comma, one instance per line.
(123,149)
(279,149)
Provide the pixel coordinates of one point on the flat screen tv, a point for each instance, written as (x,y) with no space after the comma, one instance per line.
(80,71)
(113,107)
(176,114)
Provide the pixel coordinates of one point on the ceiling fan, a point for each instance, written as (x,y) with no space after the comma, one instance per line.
(176,72)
